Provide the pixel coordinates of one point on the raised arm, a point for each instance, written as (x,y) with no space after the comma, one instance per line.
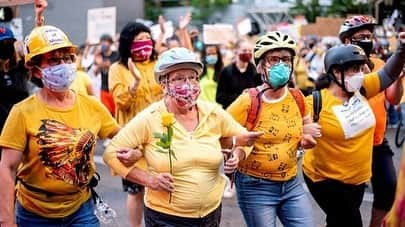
(393,68)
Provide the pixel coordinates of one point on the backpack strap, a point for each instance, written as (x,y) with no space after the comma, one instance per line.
(256,103)
(299,99)
(317,104)
(253,112)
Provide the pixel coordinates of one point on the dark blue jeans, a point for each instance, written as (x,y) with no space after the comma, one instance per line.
(83,217)
(261,200)
(157,219)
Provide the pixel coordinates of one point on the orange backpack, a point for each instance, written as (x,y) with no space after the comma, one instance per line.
(256,104)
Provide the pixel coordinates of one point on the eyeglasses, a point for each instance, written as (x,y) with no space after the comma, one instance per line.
(56,60)
(272,59)
(179,79)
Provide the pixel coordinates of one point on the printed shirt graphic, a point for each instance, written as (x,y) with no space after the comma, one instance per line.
(58,148)
(274,153)
(341,154)
(65,152)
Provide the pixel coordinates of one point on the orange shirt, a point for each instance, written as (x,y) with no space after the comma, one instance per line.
(377,104)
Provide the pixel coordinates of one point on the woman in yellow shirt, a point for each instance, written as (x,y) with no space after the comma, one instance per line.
(133,88)
(338,167)
(183,183)
(266,181)
(49,140)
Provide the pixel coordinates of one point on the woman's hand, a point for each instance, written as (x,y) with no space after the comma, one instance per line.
(136,74)
(184,21)
(313,129)
(307,141)
(128,156)
(161,182)
(233,161)
(247,138)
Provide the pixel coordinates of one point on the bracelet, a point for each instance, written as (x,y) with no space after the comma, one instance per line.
(233,143)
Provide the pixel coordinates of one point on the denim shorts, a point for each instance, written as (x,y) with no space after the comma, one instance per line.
(157,219)
(261,200)
(83,217)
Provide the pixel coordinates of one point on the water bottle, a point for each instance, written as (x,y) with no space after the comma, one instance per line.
(104,212)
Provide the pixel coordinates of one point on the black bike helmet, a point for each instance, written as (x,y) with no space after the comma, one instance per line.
(343,55)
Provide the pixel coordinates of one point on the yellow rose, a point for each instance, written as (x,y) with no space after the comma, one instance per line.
(167,119)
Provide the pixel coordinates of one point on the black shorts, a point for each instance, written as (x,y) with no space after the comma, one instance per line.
(154,218)
(132,188)
(384,179)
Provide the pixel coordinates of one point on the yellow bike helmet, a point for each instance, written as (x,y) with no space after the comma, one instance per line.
(271,41)
(44,39)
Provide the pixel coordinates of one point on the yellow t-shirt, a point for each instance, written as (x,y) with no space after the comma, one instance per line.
(126,105)
(198,181)
(274,154)
(208,86)
(58,146)
(81,83)
(340,155)
(148,92)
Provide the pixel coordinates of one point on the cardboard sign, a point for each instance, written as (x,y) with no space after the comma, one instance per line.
(244,27)
(218,33)
(355,116)
(100,21)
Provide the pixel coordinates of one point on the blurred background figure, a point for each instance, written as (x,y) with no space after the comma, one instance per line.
(13,75)
(133,88)
(237,76)
(104,57)
(212,59)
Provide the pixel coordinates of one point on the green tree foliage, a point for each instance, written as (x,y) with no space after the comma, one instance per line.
(153,9)
(344,7)
(310,10)
(340,8)
(202,9)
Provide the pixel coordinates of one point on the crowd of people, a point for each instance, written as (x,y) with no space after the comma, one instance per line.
(184,127)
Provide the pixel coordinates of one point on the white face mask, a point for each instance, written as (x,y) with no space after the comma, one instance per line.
(58,78)
(355,82)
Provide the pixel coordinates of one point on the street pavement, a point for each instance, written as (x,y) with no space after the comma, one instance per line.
(111,190)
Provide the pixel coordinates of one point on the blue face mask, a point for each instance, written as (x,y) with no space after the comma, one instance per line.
(58,78)
(278,75)
(211,59)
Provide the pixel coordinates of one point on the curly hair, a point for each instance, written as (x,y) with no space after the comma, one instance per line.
(127,35)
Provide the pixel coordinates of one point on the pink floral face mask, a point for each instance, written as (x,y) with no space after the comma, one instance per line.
(185,94)
(141,50)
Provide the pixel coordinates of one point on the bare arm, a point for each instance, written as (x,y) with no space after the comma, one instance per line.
(160,181)
(160,40)
(185,39)
(40,6)
(244,139)
(8,167)
(394,92)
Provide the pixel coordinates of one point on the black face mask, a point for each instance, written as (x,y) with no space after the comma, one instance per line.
(6,50)
(366,45)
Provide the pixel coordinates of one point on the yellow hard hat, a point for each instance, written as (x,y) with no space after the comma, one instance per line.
(44,39)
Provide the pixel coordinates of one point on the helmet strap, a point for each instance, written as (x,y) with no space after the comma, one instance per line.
(341,83)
